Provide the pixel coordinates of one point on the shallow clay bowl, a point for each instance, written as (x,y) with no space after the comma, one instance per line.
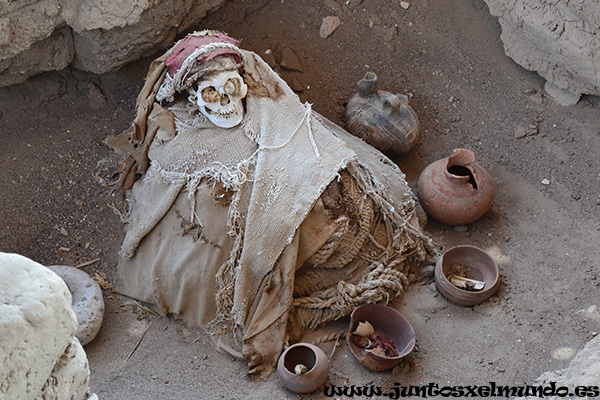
(473,263)
(388,322)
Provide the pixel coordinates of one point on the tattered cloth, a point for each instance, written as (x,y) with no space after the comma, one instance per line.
(286,220)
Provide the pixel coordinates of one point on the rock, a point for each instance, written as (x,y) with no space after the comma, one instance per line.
(558,40)
(520,132)
(297,86)
(121,39)
(94,35)
(96,97)
(66,380)
(87,303)
(426,271)
(334,5)
(290,59)
(328,26)
(25,22)
(271,58)
(583,370)
(87,15)
(53,53)
(37,328)
(562,97)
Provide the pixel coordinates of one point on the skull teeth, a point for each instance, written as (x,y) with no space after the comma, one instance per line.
(220,114)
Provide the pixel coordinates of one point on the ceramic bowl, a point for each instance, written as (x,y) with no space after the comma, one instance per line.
(311,357)
(473,263)
(389,323)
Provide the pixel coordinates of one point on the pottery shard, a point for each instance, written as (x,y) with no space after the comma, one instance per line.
(557,39)
(36,326)
(328,26)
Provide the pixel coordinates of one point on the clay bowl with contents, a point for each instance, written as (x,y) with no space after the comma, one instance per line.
(390,325)
(303,368)
(467,275)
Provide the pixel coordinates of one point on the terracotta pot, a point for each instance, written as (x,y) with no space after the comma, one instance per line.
(314,374)
(388,322)
(456,190)
(382,119)
(475,264)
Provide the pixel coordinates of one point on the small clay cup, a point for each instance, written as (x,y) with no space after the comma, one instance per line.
(310,356)
(477,264)
(388,322)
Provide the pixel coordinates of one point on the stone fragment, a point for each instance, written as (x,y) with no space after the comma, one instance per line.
(328,26)
(562,97)
(583,370)
(23,23)
(271,58)
(52,53)
(87,15)
(87,303)
(334,5)
(67,380)
(96,97)
(290,59)
(520,132)
(405,4)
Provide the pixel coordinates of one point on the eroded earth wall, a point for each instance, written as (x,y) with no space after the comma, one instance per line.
(560,40)
(93,35)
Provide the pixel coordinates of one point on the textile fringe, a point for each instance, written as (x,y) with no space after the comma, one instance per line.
(400,217)
(224,321)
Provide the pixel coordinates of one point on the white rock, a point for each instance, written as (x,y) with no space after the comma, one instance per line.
(562,97)
(88,303)
(557,39)
(67,380)
(583,370)
(37,328)
(328,26)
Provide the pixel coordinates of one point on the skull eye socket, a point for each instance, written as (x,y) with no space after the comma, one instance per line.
(233,87)
(210,95)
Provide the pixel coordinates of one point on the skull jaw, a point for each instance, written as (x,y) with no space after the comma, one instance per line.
(224,120)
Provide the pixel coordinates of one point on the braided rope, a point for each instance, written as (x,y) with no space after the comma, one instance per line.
(381,283)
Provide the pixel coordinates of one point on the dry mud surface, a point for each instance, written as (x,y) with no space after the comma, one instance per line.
(466,92)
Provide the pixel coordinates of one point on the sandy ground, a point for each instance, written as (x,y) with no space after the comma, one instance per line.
(466,92)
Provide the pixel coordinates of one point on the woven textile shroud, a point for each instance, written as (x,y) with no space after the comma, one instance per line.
(284,221)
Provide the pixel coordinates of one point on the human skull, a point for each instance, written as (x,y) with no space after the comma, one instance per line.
(219,98)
